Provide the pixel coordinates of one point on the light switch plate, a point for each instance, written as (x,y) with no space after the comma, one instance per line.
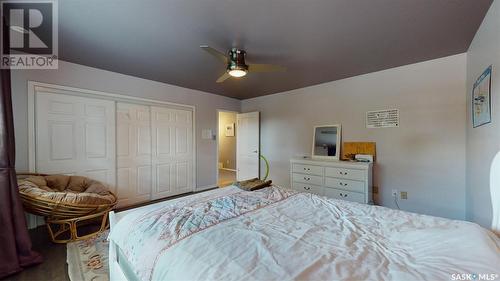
(206,134)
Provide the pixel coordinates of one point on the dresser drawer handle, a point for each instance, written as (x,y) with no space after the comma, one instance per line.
(307,179)
(343,184)
(343,173)
(307,188)
(307,169)
(343,195)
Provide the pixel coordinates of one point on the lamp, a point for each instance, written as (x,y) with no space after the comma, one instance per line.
(237,72)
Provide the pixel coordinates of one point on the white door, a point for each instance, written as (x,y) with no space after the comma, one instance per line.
(172,149)
(133,156)
(247,145)
(75,136)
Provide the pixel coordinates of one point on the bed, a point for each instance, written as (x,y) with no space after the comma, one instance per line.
(280,234)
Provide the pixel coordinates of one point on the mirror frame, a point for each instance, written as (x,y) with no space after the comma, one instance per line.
(337,148)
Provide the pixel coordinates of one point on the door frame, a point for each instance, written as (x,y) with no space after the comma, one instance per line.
(217,140)
(34,87)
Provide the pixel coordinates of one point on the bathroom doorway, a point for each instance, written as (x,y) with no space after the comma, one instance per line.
(226,148)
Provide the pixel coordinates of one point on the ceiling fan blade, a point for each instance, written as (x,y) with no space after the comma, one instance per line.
(223,77)
(265,68)
(221,56)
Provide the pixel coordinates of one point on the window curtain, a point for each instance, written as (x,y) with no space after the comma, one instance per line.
(15,243)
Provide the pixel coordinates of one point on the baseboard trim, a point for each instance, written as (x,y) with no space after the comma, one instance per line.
(33,221)
(206,187)
(227,169)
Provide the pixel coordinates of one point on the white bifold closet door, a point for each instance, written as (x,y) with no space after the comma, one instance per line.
(133,153)
(154,152)
(75,136)
(142,152)
(172,149)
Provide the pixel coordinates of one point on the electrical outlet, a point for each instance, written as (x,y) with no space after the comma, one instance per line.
(404,195)
(395,193)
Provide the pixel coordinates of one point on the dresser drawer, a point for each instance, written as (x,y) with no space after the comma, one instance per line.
(307,188)
(345,195)
(309,179)
(345,173)
(307,169)
(356,186)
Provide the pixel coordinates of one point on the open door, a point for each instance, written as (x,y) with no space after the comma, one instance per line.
(247,146)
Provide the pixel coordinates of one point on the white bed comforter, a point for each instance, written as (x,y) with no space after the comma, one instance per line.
(278,234)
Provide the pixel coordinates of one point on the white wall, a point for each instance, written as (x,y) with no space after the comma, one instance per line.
(425,156)
(80,76)
(483,142)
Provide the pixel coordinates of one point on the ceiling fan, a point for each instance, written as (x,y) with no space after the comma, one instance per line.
(235,63)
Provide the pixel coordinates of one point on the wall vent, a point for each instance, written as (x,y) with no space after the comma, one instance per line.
(382,118)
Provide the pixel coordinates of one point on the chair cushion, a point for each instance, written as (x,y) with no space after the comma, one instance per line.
(57,182)
(78,184)
(67,189)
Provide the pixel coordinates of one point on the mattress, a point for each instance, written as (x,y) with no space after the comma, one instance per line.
(280,234)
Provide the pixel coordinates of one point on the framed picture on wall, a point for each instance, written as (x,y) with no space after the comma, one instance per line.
(481,99)
(230,130)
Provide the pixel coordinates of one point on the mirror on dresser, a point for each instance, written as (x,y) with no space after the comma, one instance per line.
(326,142)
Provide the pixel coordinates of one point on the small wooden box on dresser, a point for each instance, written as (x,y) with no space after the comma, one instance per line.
(344,180)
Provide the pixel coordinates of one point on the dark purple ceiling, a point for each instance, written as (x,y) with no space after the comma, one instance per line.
(317,40)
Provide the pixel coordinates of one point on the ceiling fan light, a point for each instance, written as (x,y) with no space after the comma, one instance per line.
(237,72)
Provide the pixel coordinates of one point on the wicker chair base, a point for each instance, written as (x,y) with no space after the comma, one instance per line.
(62,218)
(59,228)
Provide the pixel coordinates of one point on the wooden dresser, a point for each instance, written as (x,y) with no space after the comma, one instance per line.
(350,181)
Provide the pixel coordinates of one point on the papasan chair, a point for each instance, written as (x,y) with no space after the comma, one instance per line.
(66,203)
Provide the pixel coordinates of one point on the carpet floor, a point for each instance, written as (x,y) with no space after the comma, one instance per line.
(53,268)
